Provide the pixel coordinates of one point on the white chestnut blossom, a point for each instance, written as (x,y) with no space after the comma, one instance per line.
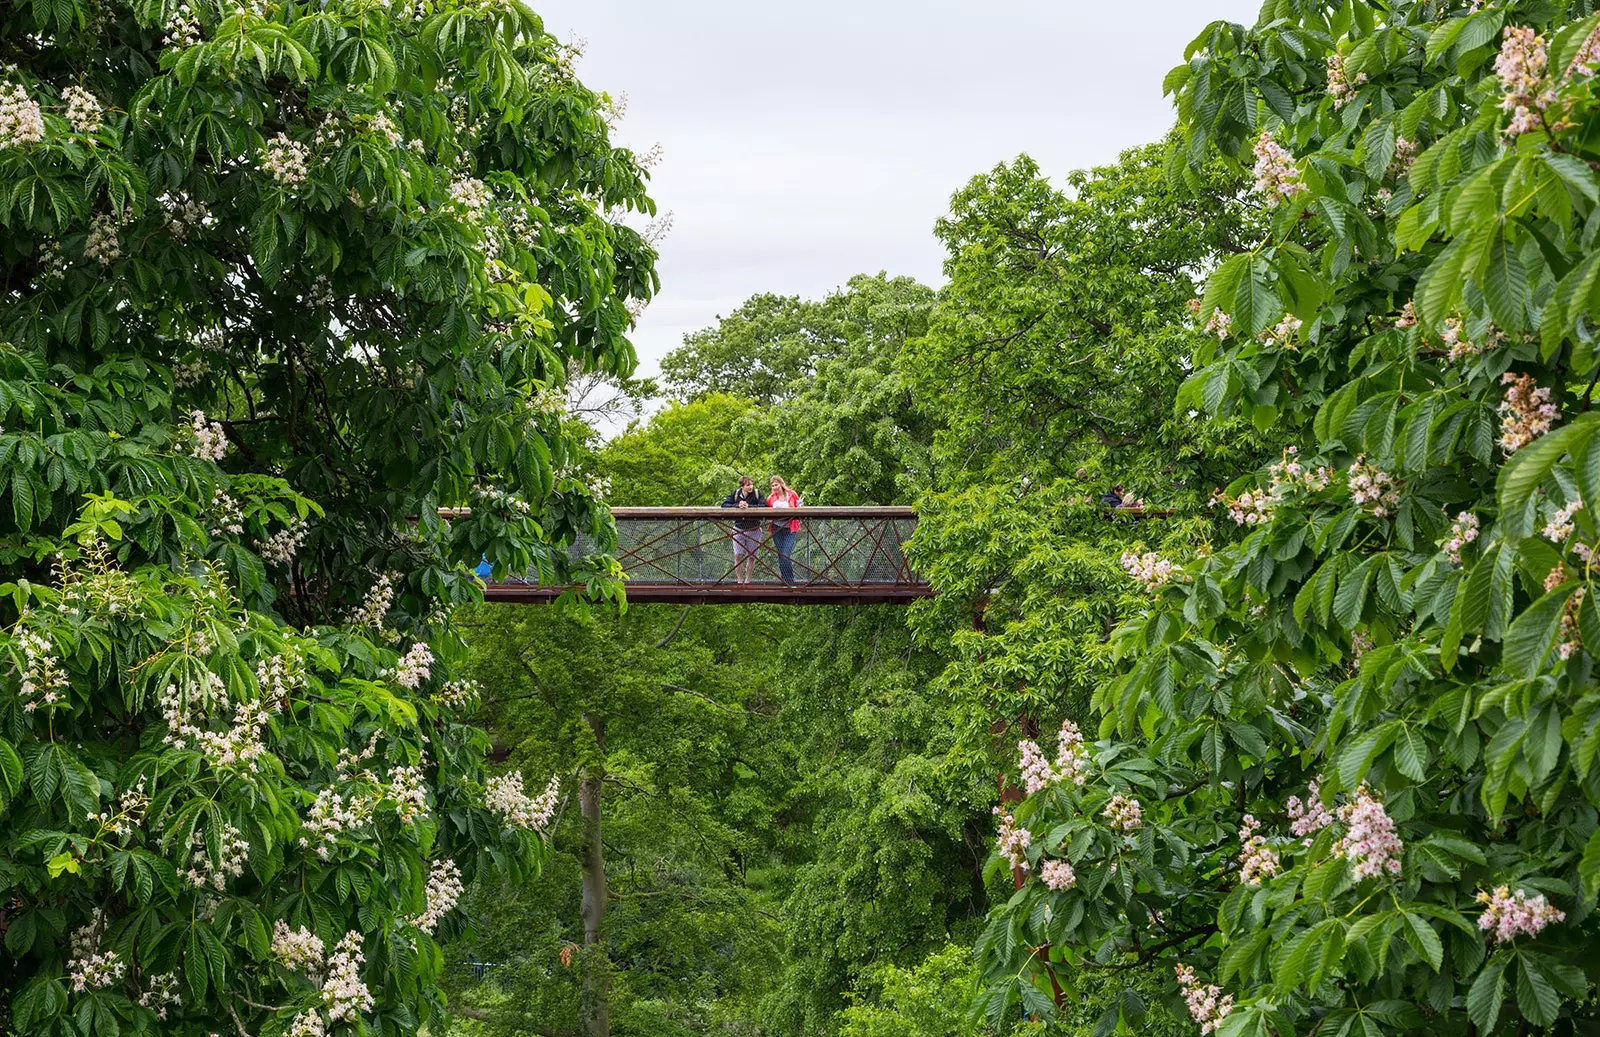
(97,970)
(42,677)
(226,514)
(457,694)
(329,816)
(1521,66)
(504,795)
(161,994)
(470,196)
(1371,487)
(83,109)
(1207,1004)
(1250,508)
(204,872)
(1276,175)
(209,442)
(1463,531)
(344,993)
(299,950)
(376,605)
(444,892)
(1149,570)
(1219,324)
(308,1023)
(408,792)
(103,243)
(21,119)
(281,547)
(1369,843)
(1308,817)
(128,814)
(286,161)
(182,29)
(184,214)
(1560,527)
(414,667)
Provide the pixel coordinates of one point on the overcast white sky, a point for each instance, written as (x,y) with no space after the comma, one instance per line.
(808,142)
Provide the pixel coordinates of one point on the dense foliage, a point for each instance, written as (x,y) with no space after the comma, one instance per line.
(1348,781)
(276,282)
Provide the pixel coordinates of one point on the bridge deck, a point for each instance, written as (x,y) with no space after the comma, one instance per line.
(840,556)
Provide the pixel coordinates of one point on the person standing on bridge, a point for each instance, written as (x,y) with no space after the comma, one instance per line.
(746,529)
(784,532)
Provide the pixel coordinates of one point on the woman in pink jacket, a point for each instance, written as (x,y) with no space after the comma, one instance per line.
(784,532)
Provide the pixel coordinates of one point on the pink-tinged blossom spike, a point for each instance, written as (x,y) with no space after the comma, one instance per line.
(1521,66)
(1257,860)
(1507,915)
(1308,817)
(1276,175)
(1372,488)
(1462,532)
(1123,813)
(1369,843)
(1560,527)
(1526,413)
(1219,324)
(1149,570)
(1072,758)
(1037,774)
(1012,840)
(1208,1006)
(1058,875)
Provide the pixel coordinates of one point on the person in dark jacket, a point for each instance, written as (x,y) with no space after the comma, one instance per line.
(1112,498)
(746,530)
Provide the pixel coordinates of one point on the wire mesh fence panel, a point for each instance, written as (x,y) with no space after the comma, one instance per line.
(834,550)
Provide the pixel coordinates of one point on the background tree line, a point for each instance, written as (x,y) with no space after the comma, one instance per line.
(798,801)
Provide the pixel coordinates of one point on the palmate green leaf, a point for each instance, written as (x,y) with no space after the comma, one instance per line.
(1536,998)
(1505,284)
(1589,867)
(1532,636)
(1420,935)
(1487,994)
(1411,754)
(11,773)
(1439,287)
(1528,467)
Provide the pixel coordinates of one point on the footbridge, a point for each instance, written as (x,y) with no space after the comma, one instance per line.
(839,556)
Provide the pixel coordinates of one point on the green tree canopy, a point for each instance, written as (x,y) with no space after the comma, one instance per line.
(769,348)
(276,282)
(1347,779)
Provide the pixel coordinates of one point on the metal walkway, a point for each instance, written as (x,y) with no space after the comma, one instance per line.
(841,556)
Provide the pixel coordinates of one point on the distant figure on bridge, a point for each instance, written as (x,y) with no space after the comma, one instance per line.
(783,533)
(1112,498)
(746,529)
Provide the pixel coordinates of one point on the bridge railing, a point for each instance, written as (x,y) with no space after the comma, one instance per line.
(687,554)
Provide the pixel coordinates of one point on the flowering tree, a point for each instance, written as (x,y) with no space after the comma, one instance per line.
(276,282)
(1347,779)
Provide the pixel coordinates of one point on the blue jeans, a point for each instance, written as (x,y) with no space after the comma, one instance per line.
(783,539)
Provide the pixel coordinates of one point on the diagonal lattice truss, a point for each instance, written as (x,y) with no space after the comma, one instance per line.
(839,556)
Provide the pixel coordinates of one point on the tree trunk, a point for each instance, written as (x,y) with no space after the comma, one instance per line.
(596,1005)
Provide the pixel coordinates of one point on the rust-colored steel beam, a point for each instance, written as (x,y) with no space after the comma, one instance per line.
(728,594)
